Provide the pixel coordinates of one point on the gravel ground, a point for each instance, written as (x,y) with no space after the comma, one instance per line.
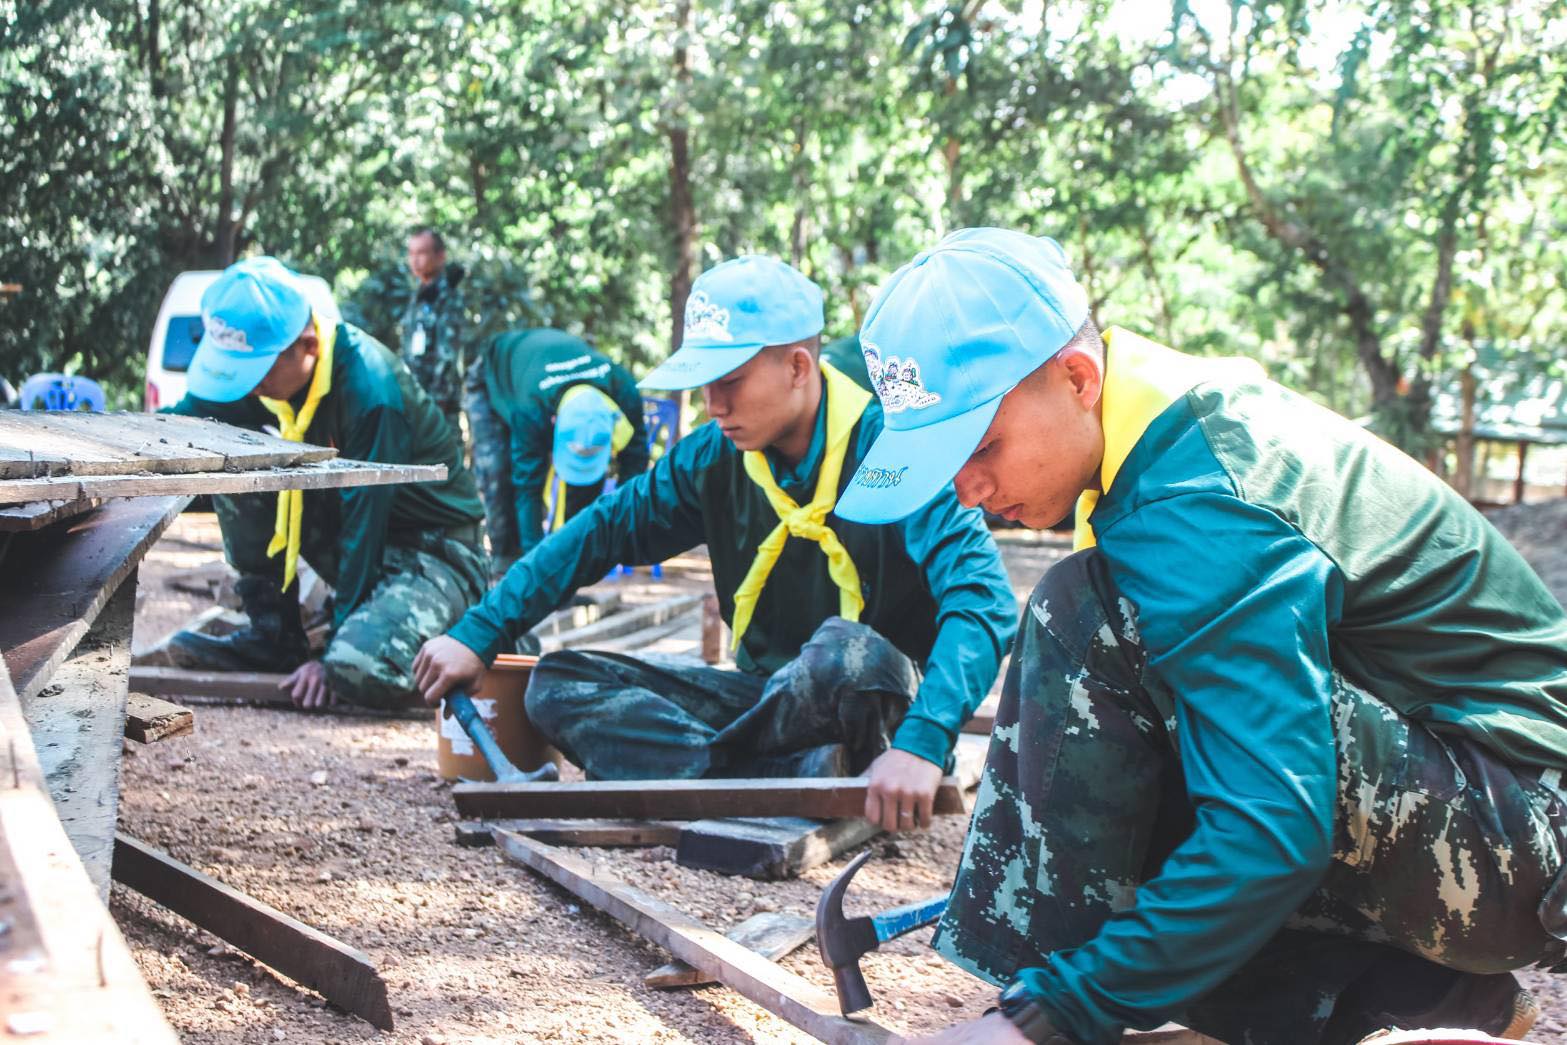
(474,950)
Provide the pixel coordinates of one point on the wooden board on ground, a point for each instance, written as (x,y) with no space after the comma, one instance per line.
(77,724)
(766,983)
(772,934)
(35,515)
(255,688)
(317,476)
(122,443)
(67,970)
(984,718)
(54,582)
(769,847)
(151,719)
(625,622)
(475,834)
(821,798)
(344,976)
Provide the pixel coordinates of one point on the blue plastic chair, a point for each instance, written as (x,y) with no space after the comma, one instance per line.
(659,416)
(62,392)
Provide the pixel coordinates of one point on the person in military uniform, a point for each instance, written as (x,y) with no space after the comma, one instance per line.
(1279,754)
(857,647)
(553,414)
(405,560)
(434,328)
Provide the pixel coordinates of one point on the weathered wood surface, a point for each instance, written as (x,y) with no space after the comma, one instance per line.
(769,847)
(343,975)
(984,719)
(772,934)
(151,719)
(766,983)
(318,476)
(67,968)
(257,688)
(625,622)
(819,798)
(77,723)
(476,834)
(35,515)
(54,582)
(122,443)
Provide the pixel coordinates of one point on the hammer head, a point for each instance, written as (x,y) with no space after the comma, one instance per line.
(843,941)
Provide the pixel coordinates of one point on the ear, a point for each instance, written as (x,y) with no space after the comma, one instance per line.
(802,367)
(1084,375)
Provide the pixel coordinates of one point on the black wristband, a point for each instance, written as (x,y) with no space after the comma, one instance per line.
(1024,1012)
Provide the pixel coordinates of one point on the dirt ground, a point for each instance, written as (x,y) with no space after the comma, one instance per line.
(343,823)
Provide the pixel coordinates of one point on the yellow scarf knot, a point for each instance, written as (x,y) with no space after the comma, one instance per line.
(845,402)
(291,503)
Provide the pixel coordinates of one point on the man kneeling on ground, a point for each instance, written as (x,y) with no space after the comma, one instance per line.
(857,646)
(1279,753)
(404,560)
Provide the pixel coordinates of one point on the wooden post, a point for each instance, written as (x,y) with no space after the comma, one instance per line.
(1518,483)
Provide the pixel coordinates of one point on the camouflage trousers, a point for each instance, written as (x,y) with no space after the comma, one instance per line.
(1440,851)
(428,579)
(624,718)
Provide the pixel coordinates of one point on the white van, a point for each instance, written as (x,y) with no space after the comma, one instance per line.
(178,331)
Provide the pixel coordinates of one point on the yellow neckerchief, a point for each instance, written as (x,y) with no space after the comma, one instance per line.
(618,438)
(846,401)
(291,503)
(1142,379)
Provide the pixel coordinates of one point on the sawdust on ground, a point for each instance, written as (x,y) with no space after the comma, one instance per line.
(473,949)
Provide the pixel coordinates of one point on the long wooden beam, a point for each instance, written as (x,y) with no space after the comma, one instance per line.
(819,798)
(477,834)
(344,976)
(321,475)
(766,983)
(242,687)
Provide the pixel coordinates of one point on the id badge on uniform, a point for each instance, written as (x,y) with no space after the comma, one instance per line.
(416,343)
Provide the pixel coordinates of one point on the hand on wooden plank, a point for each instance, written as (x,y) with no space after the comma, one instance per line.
(902,791)
(994,1029)
(444,664)
(308,686)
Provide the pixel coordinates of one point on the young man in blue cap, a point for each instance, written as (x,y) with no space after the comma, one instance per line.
(404,560)
(554,412)
(1279,753)
(857,646)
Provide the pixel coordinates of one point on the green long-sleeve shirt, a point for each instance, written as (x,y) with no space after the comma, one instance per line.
(933,583)
(526,372)
(375,411)
(1264,543)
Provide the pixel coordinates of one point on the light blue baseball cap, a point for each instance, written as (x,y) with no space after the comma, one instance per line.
(250,314)
(584,433)
(952,332)
(735,310)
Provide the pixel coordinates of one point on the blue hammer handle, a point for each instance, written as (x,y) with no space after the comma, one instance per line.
(462,708)
(890,925)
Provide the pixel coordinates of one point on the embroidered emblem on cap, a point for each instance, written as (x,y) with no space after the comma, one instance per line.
(223,335)
(897,381)
(704,319)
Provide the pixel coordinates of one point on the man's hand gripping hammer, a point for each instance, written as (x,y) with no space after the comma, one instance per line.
(460,706)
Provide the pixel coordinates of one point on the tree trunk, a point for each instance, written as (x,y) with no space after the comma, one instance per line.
(224,237)
(154,48)
(1464,453)
(682,210)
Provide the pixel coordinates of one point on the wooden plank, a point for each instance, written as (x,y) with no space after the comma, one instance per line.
(149,719)
(623,623)
(35,515)
(820,798)
(476,834)
(56,581)
(252,688)
(769,985)
(769,847)
(318,476)
(645,637)
(20,462)
(984,719)
(77,724)
(67,971)
(772,934)
(343,975)
(120,443)
(586,608)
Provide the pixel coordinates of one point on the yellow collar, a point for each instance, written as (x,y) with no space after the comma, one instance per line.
(1142,379)
(288,533)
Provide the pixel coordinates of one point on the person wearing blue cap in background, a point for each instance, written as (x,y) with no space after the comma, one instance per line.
(857,646)
(1279,753)
(404,560)
(529,377)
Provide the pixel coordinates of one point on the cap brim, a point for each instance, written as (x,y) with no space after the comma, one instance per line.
(905,469)
(223,377)
(693,367)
